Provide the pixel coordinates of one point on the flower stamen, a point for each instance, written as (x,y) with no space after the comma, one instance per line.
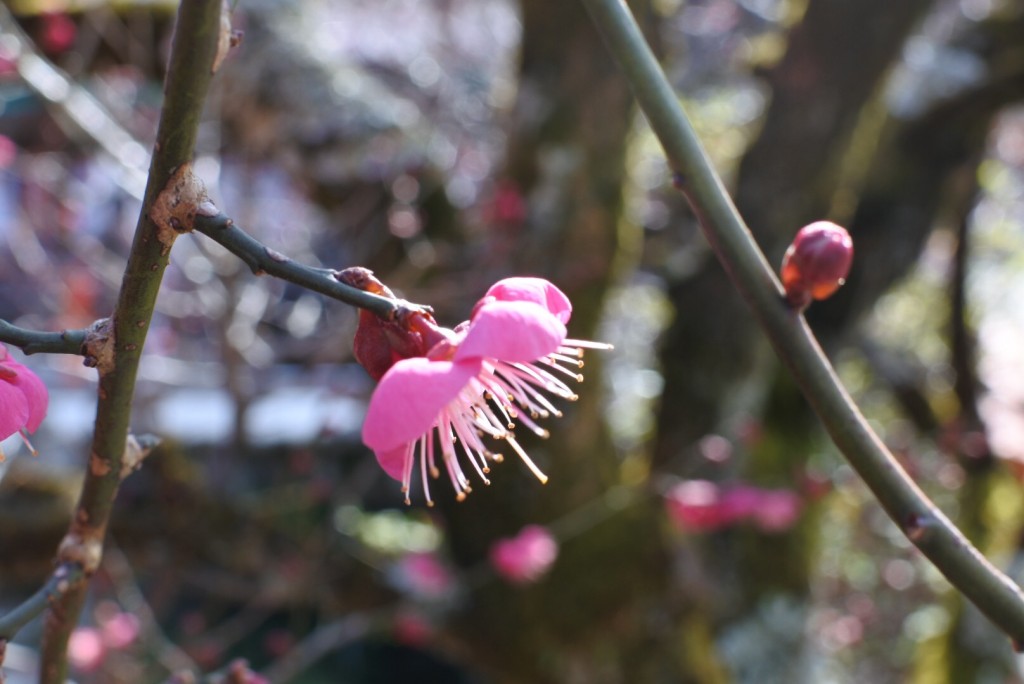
(527,460)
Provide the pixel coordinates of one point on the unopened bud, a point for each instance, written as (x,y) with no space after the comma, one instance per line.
(379,343)
(817,263)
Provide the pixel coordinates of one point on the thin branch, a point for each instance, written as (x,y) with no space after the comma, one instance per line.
(32,607)
(119,348)
(265,260)
(38,342)
(322,641)
(130,595)
(923,523)
(965,384)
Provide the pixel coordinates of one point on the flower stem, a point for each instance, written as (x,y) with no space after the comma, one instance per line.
(188,78)
(923,523)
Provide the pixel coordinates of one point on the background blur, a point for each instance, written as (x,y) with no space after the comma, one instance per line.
(446,144)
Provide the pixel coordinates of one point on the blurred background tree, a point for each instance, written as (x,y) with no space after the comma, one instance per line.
(445,145)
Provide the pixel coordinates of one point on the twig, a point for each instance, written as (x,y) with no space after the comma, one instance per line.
(60,581)
(119,350)
(923,523)
(262,259)
(130,595)
(37,342)
(323,640)
(961,335)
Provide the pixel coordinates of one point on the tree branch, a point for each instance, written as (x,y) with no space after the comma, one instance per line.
(924,524)
(265,260)
(58,584)
(37,342)
(119,348)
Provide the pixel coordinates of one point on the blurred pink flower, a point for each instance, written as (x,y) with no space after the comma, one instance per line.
(86,649)
(526,557)
(702,506)
(474,383)
(424,575)
(89,646)
(778,510)
(23,398)
(239,672)
(412,629)
(277,642)
(120,630)
(8,149)
(57,33)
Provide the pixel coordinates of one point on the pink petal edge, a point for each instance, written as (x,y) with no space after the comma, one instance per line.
(36,395)
(14,410)
(409,398)
(536,290)
(512,331)
(393,460)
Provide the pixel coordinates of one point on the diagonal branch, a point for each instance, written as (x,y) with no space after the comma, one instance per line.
(263,259)
(923,523)
(118,348)
(60,581)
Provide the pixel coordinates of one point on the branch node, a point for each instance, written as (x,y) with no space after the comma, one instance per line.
(98,346)
(919,528)
(207,208)
(276,256)
(175,208)
(225,37)
(797,302)
(135,451)
(81,549)
(404,309)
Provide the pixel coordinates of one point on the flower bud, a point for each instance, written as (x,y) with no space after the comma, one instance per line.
(379,343)
(817,263)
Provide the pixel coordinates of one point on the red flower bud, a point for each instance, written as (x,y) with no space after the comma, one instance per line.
(380,343)
(817,263)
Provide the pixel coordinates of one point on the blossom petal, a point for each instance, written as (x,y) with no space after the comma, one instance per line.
(37,398)
(14,410)
(409,399)
(393,460)
(513,331)
(525,557)
(536,290)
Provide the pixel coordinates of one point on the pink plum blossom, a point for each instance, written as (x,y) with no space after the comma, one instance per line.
(473,384)
(424,575)
(526,557)
(120,630)
(86,649)
(23,398)
(702,506)
(778,510)
(412,628)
